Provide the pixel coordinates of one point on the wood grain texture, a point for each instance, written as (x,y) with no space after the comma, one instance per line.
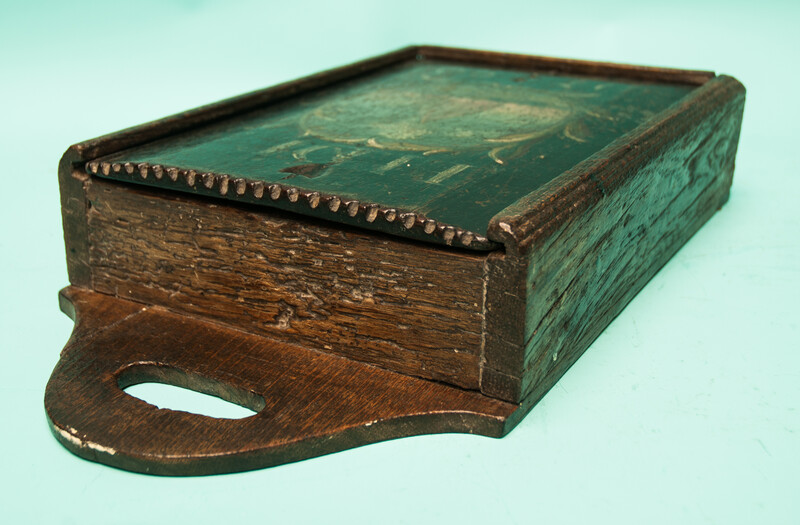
(593,243)
(504,326)
(71,168)
(308,403)
(540,213)
(618,246)
(405,306)
(287,315)
(73,217)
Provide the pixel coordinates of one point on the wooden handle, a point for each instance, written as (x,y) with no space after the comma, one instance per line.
(308,403)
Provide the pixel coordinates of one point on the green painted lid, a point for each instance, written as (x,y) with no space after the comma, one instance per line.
(426,149)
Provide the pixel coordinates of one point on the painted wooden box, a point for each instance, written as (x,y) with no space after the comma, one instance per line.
(420,242)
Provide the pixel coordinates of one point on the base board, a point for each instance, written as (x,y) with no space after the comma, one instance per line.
(308,403)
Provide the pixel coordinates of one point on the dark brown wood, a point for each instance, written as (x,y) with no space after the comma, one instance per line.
(340,336)
(504,316)
(538,214)
(73,217)
(408,307)
(564,65)
(71,168)
(651,207)
(308,403)
(592,239)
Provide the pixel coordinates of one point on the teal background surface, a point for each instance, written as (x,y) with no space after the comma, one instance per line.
(685,410)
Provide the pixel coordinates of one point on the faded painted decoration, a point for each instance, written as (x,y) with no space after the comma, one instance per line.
(455,143)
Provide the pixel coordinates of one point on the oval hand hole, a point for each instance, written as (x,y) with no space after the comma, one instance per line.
(173,389)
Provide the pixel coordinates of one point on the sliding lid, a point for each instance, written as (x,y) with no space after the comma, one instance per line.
(421,148)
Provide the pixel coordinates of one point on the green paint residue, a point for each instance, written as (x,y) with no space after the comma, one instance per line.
(456,143)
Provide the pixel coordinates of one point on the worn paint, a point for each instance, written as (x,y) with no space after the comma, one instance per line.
(448,142)
(71,436)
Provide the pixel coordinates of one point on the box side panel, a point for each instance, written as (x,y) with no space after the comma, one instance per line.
(73,217)
(504,331)
(584,273)
(400,305)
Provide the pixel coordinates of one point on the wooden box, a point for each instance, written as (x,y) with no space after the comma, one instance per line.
(420,242)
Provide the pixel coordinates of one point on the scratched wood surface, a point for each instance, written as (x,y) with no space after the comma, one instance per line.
(440,147)
(308,403)
(412,308)
(641,223)
(588,243)
(565,247)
